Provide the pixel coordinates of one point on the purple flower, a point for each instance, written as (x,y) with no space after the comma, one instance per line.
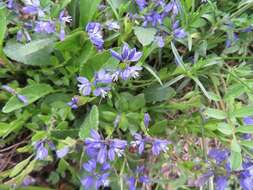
(33,8)
(102,180)
(8,89)
(229,41)
(127,54)
(248,120)
(246,175)
(158,146)
(101,91)
(154,18)
(103,77)
(94,31)
(106,166)
(248,29)
(141,4)
(90,166)
(246,183)
(221,182)
(28,180)
(73,103)
(62,152)
(88,182)
(41,151)
(201,181)
(116,74)
(22,98)
(62,33)
(218,155)
(102,154)
(130,72)
(160,41)
(147,119)
(177,31)
(85,86)
(112,25)
(45,27)
(131,183)
(95,179)
(139,142)
(159,2)
(19,36)
(116,147)
(144,179)
(99,149)
(63,18)
(171,7)
(10,4)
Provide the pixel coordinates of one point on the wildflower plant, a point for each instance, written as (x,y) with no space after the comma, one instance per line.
(138,94)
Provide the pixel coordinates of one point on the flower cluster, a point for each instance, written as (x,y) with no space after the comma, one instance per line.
(42,150)
(158,145)
(101,149)
(101,83)
(139,177)
(95,178)
(155,18)
(94,31)
(126,56)
(99,86)
(40,22)
(221,158)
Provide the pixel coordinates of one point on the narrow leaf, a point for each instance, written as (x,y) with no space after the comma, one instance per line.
(90,122)
(31,92)
(153,72)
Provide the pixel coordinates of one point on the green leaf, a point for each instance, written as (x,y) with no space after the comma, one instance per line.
(213,96)
(32,93)
(3,128)
(158,93)
(145,35)
(153,72)
(235,146)
(177,57)
(202,88)
(225,128)
(245,129)
(96,62)
(137,102)
(3,23)
(236,160)
(243,112)
(90,122)
(234,91)
(88,9)
(215,113)
(19,167)
(73,42)
(36,52)
(248,144)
